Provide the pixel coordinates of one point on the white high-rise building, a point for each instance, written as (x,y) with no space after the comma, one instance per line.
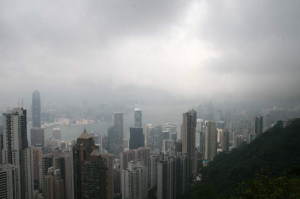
(16,151)
(153,170)
(166,178)
(8,178)
(134,181)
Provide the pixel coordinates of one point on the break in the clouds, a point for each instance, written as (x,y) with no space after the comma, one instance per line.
(240,49)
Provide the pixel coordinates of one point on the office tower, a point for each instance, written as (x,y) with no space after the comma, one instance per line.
(202,142)
(36,109)
(153,170)
(134,181)
(37,137)
(56,133)
(224,140)
(69,181)
(37,156)
(141,154)
(153,137)
(28,172)
(188,134)
(138,118)
(137,138)
(116,178)
(259,125)
(54,184)
(16,151)
(92,170)
(126,157)
(148,136)
(182,183)
(210,141)
(166,178)
(36,132)
(8,179)
(168,147)
(172,129)
(45,163)
(238,140)
(97,177)
(115,135)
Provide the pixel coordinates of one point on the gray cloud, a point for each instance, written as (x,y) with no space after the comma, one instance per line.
(173,48)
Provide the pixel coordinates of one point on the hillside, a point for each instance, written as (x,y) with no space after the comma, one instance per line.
(269,159)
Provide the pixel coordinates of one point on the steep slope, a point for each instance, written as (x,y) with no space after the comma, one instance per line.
(275,153)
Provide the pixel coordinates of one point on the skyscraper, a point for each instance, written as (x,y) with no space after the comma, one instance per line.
(36,132)
(36,109)
(188,135)
(8,179)
(37,137)
(138,118)
(54,184)
(134,181)
(166,178)
(115,135)
(210,141)
(92,170)
(16,151)
(137,138)
(259,125)
(224,139)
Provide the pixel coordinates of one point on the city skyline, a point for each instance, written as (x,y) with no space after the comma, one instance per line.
(139,99)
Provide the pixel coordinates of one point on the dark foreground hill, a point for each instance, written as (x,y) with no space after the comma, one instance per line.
(269,167)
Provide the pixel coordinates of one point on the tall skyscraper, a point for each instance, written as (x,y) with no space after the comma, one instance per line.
(224,140)
(210,141)
(46,162)
(92,170)
(259,125)
(37,137)
(138,118)
(188,136)
(16,151)
(134,181)
(154,159)
(166,178)
(115,135)
(36,132)
(8,182)
(137,138)
(37,156)
(36,109)
(54,184)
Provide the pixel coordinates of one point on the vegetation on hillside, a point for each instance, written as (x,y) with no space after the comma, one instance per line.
(269,167)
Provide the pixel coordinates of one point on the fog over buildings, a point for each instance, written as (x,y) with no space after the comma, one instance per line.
(133,98)
(142,50)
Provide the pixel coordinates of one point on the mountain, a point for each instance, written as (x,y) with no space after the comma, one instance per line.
(269,165)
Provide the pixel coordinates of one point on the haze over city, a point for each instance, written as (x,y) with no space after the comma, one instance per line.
(139,99)
(147,50)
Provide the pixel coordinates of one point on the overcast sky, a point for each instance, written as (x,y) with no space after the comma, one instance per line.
(187,49)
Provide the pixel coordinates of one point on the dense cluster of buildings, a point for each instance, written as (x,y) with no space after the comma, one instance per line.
(156,162)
